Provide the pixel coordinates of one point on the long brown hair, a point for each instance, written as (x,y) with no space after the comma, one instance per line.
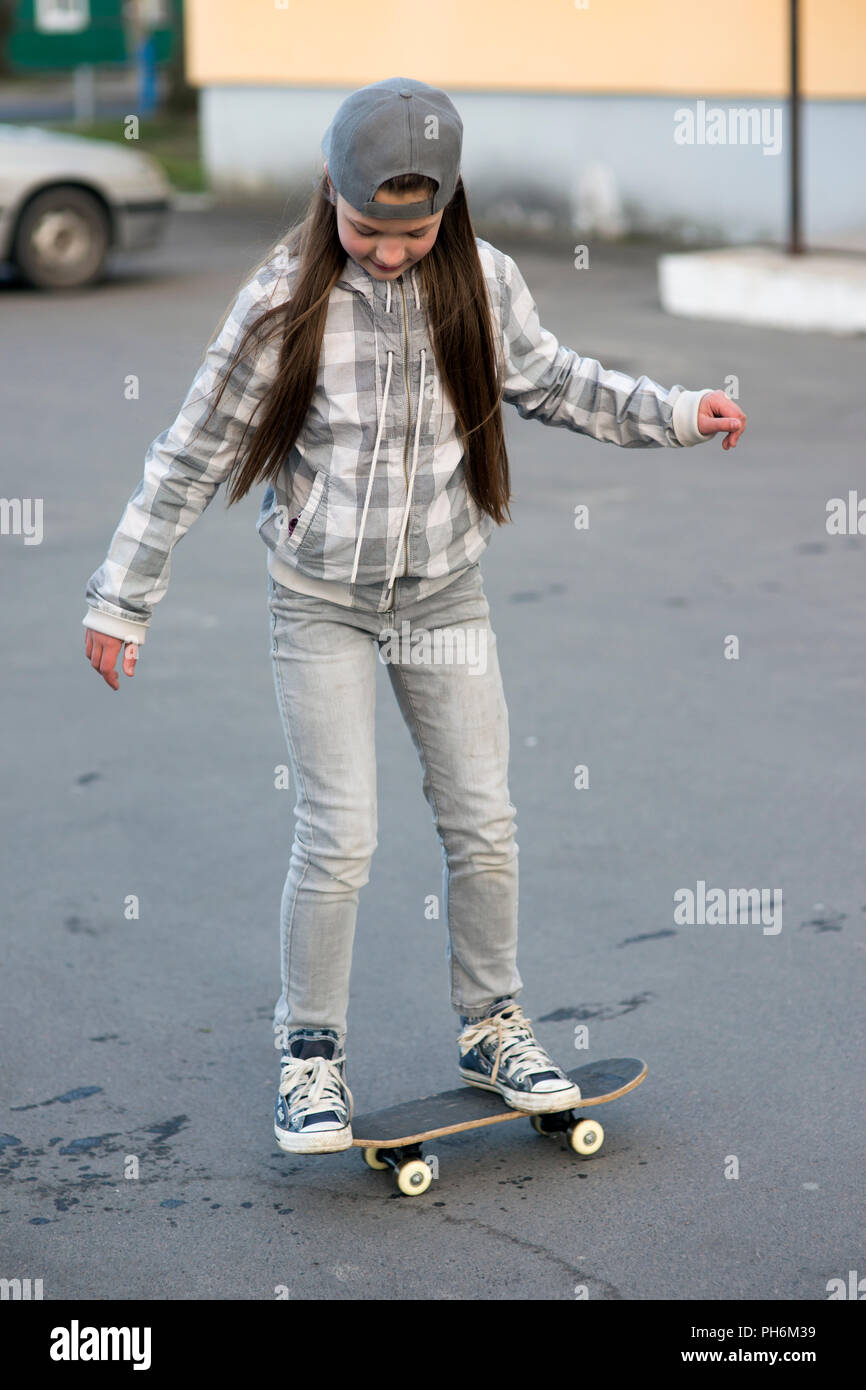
(461,331)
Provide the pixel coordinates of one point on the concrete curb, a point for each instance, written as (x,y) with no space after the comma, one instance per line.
(765,285)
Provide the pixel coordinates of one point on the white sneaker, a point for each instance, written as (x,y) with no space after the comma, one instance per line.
(314,1105)
(500,1053)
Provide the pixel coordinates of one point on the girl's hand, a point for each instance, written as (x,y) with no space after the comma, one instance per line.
(102,651)
(718,412)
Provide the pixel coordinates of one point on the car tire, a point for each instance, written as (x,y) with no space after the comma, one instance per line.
(62,239)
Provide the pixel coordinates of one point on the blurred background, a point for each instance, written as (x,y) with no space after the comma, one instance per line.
(569,112)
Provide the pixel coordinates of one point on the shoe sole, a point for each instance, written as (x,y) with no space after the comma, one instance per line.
(326,1141)
(545,1103)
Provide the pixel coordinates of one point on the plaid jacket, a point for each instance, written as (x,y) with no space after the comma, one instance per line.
(374,487)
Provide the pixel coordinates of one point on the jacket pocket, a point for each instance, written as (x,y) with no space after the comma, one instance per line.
(292,529)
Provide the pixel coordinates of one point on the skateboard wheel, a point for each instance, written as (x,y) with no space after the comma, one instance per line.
(372,1159)
(538,1125)
(414,1177)
(585,1137)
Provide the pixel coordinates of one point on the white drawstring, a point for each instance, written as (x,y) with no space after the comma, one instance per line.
(379,439)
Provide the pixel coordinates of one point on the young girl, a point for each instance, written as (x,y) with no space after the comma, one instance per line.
(360,372)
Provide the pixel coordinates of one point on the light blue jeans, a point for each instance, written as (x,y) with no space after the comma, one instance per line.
(440,654)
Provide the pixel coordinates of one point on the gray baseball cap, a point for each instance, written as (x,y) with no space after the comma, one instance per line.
(398,126)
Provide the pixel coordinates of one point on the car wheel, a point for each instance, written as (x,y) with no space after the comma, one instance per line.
(62,239)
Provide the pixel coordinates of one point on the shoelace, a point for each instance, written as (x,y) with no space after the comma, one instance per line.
(515,1042)
(317,1079)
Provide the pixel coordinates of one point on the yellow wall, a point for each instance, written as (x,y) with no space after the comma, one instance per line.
(683,47)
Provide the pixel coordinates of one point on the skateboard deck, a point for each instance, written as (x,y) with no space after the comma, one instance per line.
(392,1138)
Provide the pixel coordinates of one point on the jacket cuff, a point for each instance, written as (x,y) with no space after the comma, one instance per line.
(115,627)
(685,417)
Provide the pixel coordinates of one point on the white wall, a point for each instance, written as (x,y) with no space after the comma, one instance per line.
(529,152)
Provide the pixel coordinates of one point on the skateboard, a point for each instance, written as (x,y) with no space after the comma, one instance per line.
(392,1138)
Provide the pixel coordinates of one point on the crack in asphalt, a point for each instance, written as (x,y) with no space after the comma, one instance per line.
(610,1290)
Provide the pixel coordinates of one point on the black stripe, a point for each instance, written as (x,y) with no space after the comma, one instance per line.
(162,205)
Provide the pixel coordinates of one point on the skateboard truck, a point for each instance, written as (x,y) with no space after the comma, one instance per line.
(584,1136)
(414,1175)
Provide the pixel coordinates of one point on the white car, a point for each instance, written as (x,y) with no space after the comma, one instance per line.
(66,202)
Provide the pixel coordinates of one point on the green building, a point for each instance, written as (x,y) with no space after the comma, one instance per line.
(46,35)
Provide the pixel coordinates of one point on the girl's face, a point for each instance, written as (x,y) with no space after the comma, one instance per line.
(385,246)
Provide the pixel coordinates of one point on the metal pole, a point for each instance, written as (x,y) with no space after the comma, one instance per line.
(83,94)
(795,245)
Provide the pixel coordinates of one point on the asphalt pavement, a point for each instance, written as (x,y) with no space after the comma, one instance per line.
(137,1072)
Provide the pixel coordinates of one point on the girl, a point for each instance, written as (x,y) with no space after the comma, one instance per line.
(374,349)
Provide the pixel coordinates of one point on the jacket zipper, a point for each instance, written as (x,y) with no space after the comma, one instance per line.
(408,425)
(393,605)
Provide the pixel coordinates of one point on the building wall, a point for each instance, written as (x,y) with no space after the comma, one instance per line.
(557,101)
(703,47)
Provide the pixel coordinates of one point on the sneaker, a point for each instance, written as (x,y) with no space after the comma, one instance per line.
(499,1052)
(314,1105)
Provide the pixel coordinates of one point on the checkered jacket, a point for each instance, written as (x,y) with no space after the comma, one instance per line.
(374,486)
